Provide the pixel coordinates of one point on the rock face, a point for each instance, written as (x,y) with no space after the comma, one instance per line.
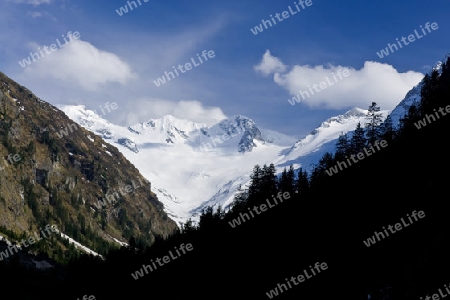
(53,171)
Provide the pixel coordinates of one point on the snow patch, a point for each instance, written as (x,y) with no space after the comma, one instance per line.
(78,245)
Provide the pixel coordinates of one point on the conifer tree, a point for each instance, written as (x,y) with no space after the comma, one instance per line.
(256,182)
(429,93)
(407,127)
(239,204)
(358,140)
(287,180)
(291,179)
(302,183)
(318,173)
(387,130)
(188,227)
(210,221)
(342,147)
(374,118)
(269,180)
(445,82)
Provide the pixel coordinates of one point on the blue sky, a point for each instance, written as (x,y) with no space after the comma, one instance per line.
(118,58)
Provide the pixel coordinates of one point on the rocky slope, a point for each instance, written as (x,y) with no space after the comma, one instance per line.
(53,171)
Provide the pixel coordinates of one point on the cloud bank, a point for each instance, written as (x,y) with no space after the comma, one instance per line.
(374,82)
(32,2)
(192,110)
(270,64)
(80,63)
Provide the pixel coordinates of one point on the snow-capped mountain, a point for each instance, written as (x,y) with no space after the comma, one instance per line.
(303,153)
(166,130)
(307,151)
(187,162)
(322,139)
(192,166)
(412,97)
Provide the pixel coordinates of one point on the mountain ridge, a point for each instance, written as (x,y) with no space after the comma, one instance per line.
(58,178)
(240,134)
(233,136)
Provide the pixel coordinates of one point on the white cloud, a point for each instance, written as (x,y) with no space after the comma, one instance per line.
(270,64)
(33,2)
(375,82)
(82,64)
(143,109)
(38,14)
(34,14)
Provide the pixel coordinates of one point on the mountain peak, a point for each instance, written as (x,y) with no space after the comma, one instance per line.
(413,96)
(438,65)
(237,120)
(169,119)
(355,112)
(329,131)
(239,117)
(167,129)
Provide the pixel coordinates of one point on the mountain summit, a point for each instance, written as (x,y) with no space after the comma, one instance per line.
(187,162)
(193,166)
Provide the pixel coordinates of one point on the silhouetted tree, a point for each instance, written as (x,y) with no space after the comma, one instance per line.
(318,173)
(188,227)
(302,183)
(407,127)
(342,147)
(430,93)
(269,180)
(387,130)
(255,187)
(358,140)
(374,119)
(287,180)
